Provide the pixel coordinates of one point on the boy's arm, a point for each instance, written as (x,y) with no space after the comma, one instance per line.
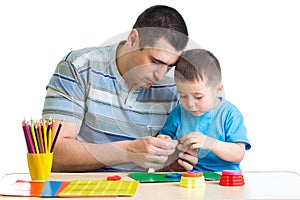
(229,151)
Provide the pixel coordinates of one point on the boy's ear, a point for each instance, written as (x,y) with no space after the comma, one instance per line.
(220,89)
(133,39)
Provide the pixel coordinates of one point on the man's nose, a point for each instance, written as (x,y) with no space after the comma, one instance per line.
(160,73)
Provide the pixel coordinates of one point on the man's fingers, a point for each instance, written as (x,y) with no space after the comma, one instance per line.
(164,137)
(155,161)
(192,159)
(157,158)
(164,144)
(153,152)
(187,160)
(187,166)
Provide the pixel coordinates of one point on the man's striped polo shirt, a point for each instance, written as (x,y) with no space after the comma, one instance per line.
(87,89)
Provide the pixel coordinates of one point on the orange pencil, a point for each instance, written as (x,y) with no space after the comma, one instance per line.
(41,136)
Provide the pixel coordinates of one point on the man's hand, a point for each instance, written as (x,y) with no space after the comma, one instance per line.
(187,157)
(151,152)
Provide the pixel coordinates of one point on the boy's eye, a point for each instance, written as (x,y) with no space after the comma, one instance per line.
(182,96)
(198,98)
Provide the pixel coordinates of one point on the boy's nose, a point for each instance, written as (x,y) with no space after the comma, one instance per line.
(191,102)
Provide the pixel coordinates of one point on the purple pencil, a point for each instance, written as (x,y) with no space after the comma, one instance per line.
(26,137)
(29,137)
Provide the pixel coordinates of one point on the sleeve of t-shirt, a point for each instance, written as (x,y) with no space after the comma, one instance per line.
(65,94)
(171,125)
(235,128)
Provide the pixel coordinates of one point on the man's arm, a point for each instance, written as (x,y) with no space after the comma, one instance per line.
(71,154)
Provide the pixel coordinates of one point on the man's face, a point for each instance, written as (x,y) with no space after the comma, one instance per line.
(150,65)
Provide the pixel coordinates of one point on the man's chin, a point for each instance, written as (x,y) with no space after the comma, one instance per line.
(146,86)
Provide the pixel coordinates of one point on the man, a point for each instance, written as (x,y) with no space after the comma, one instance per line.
(114,99)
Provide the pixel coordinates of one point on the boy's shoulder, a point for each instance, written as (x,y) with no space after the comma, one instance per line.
(228,107)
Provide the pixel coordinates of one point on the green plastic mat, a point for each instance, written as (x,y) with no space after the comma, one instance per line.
(161,177)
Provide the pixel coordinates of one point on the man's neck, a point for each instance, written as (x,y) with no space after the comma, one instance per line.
(121,62)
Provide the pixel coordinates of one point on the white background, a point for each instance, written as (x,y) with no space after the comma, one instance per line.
(257,43)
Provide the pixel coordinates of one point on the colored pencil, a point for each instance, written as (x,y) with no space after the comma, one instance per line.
(26,137)
(31,127)
(49,133)
(29,137)
(41,136)
(38,139)
(45,135)
(56,136)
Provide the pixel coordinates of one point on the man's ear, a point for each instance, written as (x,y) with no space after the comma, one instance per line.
(133,39)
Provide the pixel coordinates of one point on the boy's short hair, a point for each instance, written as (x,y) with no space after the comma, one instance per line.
(161,22)
(198,64)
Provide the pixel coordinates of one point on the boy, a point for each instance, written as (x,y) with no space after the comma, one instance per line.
(204,120)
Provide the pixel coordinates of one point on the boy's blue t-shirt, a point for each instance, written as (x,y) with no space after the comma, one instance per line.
(224,122)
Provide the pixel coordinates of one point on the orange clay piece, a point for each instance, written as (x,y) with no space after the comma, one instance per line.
(192,174)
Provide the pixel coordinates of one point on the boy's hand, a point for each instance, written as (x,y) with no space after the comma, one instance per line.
(196,140)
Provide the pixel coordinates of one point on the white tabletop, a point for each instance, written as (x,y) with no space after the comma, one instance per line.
(258,185)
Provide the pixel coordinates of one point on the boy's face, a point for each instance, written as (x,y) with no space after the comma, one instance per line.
(196,97)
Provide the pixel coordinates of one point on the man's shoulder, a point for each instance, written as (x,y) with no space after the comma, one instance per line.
(97,58)
(89,53)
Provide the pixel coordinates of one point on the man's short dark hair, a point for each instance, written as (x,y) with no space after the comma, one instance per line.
(161,22)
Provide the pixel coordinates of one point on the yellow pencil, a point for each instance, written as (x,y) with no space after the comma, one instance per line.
(50,134)
(34,138)
(45,135)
